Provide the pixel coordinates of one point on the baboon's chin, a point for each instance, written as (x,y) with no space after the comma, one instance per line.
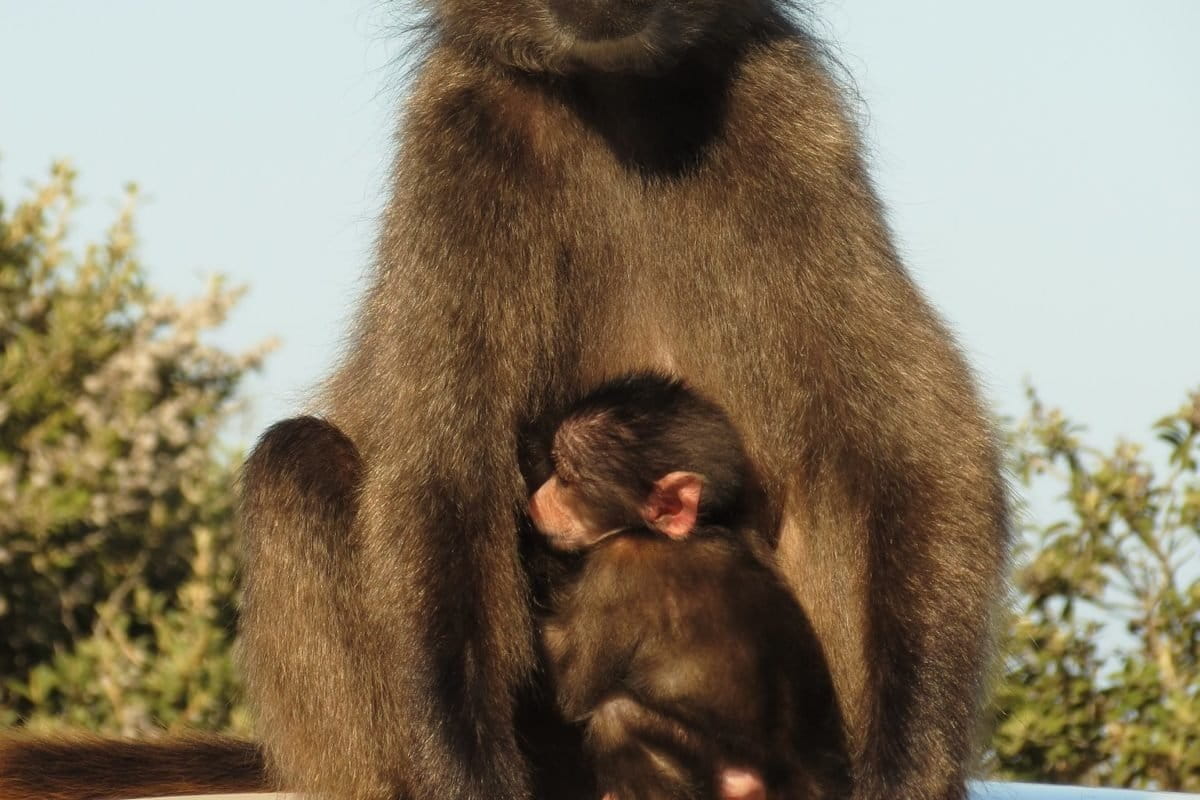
(628,54)
(603,20)
(658,43)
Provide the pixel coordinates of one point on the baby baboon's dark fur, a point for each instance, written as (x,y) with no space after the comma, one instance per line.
(679,187)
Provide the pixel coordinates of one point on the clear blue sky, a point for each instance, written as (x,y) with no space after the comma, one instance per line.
(1041,162)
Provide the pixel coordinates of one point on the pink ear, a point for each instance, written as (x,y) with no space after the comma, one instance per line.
(674,504)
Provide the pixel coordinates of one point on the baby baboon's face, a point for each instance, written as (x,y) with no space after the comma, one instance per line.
(604,35)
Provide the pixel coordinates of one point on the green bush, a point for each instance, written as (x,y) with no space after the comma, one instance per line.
(1102,682)
(116,560)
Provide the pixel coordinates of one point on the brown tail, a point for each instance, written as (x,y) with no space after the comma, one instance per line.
(82,767)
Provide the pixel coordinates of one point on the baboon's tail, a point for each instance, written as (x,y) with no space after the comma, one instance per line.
(83,767)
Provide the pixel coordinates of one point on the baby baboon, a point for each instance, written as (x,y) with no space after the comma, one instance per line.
(674,640)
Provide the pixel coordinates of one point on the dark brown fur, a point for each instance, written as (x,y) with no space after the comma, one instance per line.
(674,641)
(693,200)
(81,767)
(717,667)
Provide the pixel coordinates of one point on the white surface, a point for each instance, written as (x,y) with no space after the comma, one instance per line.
(1033,791)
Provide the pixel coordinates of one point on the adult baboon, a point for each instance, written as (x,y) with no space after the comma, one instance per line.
(584,188)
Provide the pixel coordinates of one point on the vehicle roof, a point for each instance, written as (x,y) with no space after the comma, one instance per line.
(989,790)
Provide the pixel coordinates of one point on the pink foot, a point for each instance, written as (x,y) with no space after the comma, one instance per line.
(742,784)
